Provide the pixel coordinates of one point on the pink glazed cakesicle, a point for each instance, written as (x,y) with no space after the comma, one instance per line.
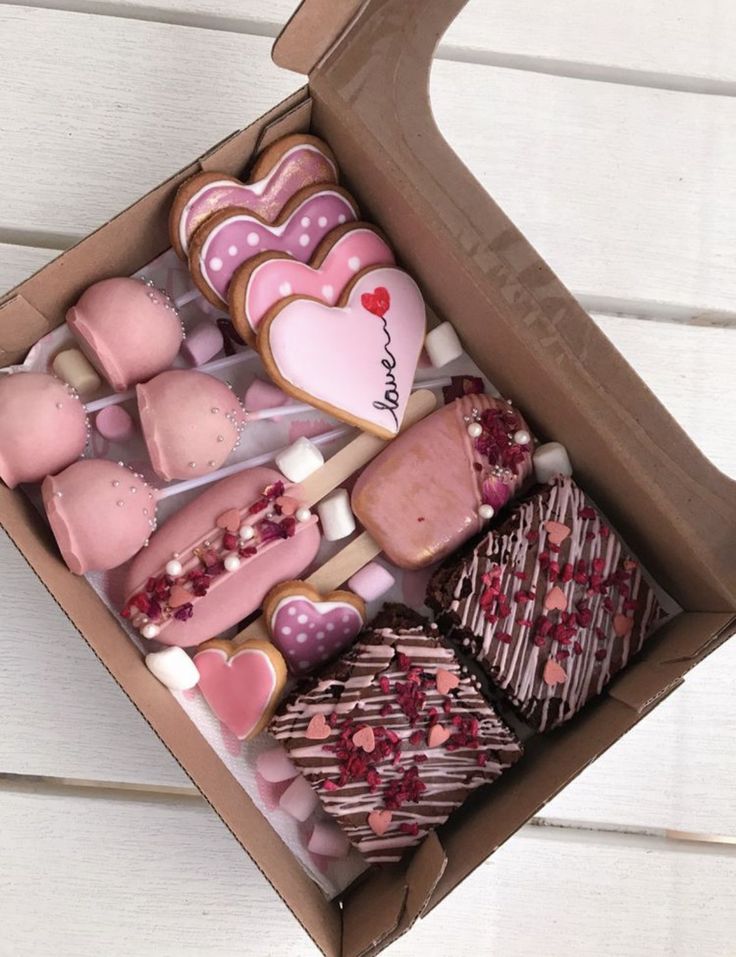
(281,170)
(213,562)
(191,422)
(437,484)
(229,238)
(271,276)
(43,426)
(128,329)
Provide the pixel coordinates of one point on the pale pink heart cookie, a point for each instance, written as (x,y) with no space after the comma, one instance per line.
(374,335)
(309,628)
(229,238)
(241,684)
(266,279)
(281,170)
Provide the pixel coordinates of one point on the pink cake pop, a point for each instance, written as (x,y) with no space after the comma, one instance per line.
(101,513)
(43,426)
(191,422)
(128,329)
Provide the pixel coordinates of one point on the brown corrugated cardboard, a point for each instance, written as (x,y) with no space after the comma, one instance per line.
(368,97)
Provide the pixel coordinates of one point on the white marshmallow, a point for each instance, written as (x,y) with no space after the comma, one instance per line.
(299,460)
(442,345)
(336,515)
(75,369)
(299,800)
(173,667)
(551,459)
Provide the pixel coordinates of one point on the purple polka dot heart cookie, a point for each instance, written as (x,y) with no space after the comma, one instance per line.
(310,628)
(232,236)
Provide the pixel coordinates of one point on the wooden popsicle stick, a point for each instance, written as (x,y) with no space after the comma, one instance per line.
(360,451)
(327,578)
(345,563)
(335,471)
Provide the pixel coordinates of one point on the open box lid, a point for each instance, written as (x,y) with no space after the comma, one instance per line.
(368,63)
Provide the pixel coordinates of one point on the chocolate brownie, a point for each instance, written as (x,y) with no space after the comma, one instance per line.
(394,735)
(551,604)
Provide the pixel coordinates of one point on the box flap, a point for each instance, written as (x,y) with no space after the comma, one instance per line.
(533,340)
(388,902)
(311,32)
(676,648)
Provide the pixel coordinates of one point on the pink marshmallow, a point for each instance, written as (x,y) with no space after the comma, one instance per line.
(275,765)
(114,424)
(202,343)
(263,395)
(270,792)
(327,840)
(372,581)
(299,800)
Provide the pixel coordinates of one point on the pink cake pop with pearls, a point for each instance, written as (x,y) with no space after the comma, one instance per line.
(191,422)
(101,513)
(128,329)
(43,426)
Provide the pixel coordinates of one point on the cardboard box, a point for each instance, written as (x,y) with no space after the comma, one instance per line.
(368,65)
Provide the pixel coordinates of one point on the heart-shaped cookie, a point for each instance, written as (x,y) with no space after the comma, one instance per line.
(309,628)
(281,170)
(265,279)
(241,683)
(355,360)
(231,237)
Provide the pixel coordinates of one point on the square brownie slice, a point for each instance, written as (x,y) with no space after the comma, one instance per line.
(394,736)
(551,604)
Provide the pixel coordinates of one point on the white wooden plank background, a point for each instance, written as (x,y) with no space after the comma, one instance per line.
(606,129)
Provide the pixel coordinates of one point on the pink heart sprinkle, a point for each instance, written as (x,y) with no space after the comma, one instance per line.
(622,625)
(446,681)
(365,739)
(287,504)
(318,729)
(378,821)
(437,736)
(555,599)
(179,596)
(556,532)
(554,673)
(229,520)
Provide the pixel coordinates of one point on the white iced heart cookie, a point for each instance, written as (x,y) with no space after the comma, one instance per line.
(355,360)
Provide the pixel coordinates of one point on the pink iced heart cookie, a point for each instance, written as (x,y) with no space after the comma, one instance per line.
(266,279)
(281,170)
(241,683)
(309,628)
(231,237)
(355,360)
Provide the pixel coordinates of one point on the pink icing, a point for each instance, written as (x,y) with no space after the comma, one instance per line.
(238,689)
(191,422)
(234,595)
(310,633)
(420,511)
(42,426)
(374,341)
(300,166)
(128,329)
(278,278)
(242,235)
(101,513)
